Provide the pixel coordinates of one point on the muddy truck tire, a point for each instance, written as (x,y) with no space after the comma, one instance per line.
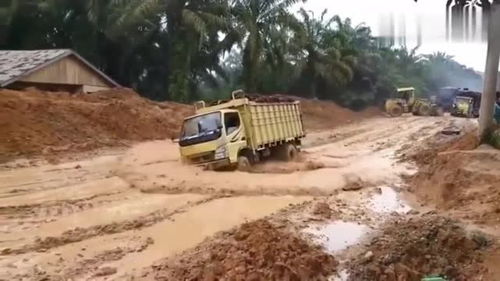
(288,152)
(244,164)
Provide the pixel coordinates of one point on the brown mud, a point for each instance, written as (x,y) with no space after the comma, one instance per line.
(124,213)
(255,251)
(412,248)
(458,176)
(41,123)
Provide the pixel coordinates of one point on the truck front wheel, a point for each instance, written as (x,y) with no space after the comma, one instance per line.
(244,163)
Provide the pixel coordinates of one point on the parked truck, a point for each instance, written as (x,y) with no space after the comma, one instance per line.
(242,131)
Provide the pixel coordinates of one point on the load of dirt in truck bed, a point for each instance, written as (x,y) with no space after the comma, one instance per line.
(35,122)
(255,251)
(410,249)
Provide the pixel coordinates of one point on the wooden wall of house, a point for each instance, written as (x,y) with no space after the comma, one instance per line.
(67,71)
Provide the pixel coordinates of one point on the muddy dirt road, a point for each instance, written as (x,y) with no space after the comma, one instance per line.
(128,214)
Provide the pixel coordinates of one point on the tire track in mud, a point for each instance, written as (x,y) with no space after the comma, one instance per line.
(293,190)
(35,210)
(81,234)
(91,265)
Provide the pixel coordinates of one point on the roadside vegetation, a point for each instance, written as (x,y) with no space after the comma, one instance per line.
(186,50)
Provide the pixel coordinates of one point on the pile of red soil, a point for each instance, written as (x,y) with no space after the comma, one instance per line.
(429,150)
(409,249)
(463,182)
(255,251)
(35,122)
(456,176)
(321,115)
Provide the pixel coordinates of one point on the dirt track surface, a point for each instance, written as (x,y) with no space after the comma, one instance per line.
(138,213)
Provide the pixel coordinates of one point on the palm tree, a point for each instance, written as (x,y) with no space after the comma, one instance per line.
(192,30)
(258,21)
(322,60)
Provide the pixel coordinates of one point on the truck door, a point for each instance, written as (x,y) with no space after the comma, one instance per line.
(235,134)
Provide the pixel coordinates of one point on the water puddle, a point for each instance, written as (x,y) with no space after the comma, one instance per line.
(339,235)
(388,201)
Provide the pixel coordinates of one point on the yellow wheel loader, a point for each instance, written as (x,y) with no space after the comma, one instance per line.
(404,101)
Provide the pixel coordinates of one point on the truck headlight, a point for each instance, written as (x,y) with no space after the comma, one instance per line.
(221,153)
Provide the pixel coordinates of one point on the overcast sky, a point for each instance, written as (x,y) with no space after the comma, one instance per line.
(428,12)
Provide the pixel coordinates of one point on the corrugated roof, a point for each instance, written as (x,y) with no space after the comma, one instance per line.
(17,64)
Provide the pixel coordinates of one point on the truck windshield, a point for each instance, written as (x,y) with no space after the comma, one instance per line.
(201,129)
(201,125)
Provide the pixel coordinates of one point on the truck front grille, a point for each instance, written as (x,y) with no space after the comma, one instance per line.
(204,158)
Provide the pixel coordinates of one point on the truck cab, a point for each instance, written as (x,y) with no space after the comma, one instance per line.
(212,138)
(463,107)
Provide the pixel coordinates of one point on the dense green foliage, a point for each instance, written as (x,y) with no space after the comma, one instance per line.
(185,50)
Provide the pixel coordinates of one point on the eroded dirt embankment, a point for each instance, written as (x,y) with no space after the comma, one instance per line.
(46,123)
(458,176)
(410,248)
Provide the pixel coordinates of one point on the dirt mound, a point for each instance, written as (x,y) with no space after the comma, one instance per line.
(410,249)
(463,182)
(35,122)
(321,115)
(424,154)
(255,251)
(456,176)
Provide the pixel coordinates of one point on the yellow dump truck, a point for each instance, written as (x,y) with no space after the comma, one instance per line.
(241,131)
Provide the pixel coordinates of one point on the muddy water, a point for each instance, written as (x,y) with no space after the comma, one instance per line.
(388,201)
(190,228)
(128,208)
(338,235)
(111,185)
(79,191)
(13,182)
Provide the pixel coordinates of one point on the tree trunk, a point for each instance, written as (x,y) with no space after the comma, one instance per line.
(474,23)
(491,73)
(448,5)
(486,6)
(456,23)
(467,23)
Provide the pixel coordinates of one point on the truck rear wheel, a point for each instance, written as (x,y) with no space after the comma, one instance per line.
(289,152)
(244,163)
